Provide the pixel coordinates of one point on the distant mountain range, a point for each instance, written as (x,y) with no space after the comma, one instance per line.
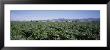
(72,20)
(88,19)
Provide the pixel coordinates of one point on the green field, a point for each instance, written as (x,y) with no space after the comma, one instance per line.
(30,30)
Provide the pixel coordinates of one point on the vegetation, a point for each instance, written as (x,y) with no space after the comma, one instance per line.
(30,30)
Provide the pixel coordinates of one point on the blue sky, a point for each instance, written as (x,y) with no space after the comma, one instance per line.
(27,15)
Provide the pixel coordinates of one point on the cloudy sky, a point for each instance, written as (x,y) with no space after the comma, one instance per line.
(27,15)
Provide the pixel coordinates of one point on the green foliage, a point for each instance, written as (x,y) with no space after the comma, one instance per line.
(55,31)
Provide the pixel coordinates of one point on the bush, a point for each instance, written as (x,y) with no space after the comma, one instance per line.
(55,31)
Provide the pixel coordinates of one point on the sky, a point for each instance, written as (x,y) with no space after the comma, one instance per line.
(27,15)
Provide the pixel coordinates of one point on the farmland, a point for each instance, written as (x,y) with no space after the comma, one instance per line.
(31,30)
